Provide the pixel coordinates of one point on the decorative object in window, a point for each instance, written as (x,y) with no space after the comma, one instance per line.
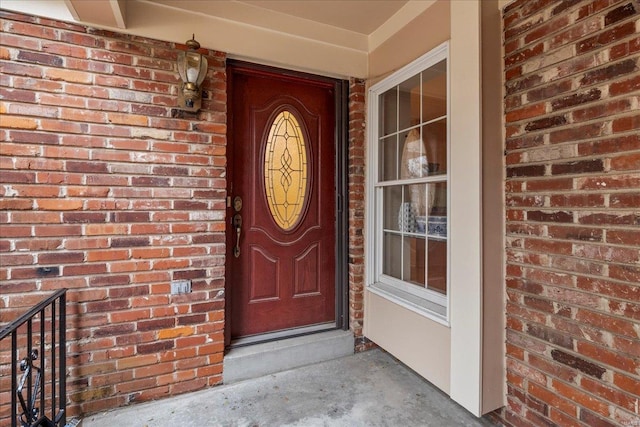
(409,186)
(415,164)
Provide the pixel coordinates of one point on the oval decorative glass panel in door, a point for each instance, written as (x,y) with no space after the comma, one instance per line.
(285,170)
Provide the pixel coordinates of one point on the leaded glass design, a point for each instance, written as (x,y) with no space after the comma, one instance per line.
(285,170)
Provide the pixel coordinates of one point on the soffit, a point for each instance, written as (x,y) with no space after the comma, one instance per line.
(345,23)
(354,15)
(108,13)
(327,36)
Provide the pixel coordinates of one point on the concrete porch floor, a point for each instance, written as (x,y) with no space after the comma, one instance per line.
(365,389)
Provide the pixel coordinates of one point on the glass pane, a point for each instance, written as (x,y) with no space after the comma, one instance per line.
(389,112)
(416,196)
(391,207)
(389,158)
(407,213)
(414,260)
(437,266)
(409,103)
(435,139)
(437,231)
(414,162)
(285,170)
(392,252)
(437,196)
(413,139)
(434,91)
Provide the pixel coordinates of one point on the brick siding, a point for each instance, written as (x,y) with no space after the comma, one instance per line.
(356,211)
(572,112)
(109,191)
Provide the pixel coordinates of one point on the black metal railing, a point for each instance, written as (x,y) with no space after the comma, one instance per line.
(30,405)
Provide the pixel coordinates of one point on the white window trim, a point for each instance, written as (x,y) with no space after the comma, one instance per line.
(425,302)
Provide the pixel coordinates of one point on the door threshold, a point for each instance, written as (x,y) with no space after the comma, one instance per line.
(282,334)
(253,361)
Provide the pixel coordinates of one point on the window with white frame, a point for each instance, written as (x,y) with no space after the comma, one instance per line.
(408,190)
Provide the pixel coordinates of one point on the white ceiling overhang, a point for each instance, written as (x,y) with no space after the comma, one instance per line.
(107,13)
(332,37)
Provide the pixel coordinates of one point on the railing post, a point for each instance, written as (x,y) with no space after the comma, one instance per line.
(42,370)
(14,377)
(58,402)
(53,359)
(63,357)
(30,377)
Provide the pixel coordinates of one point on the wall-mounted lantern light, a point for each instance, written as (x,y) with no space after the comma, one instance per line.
(192,67)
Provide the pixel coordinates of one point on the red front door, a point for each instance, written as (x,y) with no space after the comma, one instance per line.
(281,245)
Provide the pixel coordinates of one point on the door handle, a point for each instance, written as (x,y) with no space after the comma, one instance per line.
(237,224)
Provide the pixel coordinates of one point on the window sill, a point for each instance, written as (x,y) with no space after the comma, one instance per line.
(421,306)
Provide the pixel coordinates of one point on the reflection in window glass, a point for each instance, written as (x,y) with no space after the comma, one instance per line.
(421,201)
(435,140)
(437,234)
(392,202)
(412,181)
(437,266)
(415,162)
(388,112)
(391,264)
(434,92)
(389,158)
(414,266)
(409,103)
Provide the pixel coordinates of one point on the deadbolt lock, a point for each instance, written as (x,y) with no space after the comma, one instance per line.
(237,203)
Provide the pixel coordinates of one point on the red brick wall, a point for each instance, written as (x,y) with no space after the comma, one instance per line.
(572,80)
(117,193)
(356,210)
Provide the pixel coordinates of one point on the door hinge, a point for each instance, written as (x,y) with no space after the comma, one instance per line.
(340,203)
